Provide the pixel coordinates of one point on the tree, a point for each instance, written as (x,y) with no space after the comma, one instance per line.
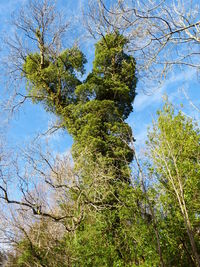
(174,149)
(93,111)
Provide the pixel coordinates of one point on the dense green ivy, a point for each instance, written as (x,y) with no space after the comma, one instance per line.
(92,111)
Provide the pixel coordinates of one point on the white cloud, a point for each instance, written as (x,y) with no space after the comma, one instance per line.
(143,100)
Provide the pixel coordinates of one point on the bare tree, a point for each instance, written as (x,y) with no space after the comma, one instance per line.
(162,34)
(38,26)
(41,179)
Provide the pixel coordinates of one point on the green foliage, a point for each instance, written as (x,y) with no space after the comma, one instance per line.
(174,145)
(113,76)
(92,111)
(54,83)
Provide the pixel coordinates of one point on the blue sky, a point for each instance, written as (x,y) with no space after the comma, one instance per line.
(31,119)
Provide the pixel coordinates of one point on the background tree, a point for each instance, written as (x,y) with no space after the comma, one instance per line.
(174,148)
(158,38)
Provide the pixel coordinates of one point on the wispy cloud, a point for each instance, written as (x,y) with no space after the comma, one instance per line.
(144,100)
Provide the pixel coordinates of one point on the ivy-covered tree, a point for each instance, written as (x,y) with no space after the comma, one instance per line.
(94,113)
